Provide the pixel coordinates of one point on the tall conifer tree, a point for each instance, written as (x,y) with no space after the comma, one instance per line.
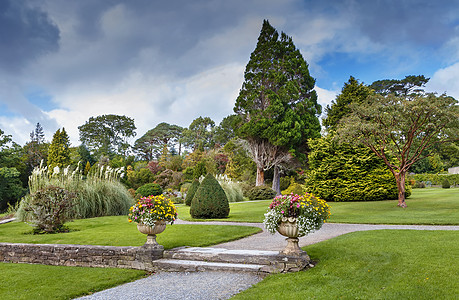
(59,150)
(277,103)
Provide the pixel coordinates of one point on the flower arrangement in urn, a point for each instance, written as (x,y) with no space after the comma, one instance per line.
(151,215)
(149,210)
(295,216)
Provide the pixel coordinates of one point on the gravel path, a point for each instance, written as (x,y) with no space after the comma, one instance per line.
(223,285)
(266,241)
(184,286)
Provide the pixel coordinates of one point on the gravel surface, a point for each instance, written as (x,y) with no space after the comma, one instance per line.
(196,285)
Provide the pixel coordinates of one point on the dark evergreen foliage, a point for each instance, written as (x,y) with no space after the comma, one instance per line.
(191,191)
(210,201)
(261,193)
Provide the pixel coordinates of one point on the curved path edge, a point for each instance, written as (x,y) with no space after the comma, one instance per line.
(266,241)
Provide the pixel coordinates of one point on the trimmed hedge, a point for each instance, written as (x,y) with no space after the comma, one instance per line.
(434,179)
(149,189)
(209,201)
(191,191)
(261,193)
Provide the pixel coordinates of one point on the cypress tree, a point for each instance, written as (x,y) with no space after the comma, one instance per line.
(191,191)
(59,150)
(210,201)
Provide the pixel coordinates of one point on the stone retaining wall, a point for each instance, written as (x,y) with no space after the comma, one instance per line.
(140,258)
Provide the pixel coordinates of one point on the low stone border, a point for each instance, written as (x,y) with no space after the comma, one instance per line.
(140,258)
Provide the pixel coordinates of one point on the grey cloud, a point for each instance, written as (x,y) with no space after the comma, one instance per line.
(25,34)
(426,23)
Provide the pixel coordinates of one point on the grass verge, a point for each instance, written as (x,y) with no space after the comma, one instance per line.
(386,264)
(434,206)
(116,231)
(23,281)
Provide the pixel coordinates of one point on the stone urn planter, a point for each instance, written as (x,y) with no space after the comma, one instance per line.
(151,233)
(288,227)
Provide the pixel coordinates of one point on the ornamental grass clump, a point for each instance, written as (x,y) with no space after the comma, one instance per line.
(149,210)
(309,211)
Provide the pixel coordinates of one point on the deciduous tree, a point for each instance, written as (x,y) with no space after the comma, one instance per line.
(107,134)
(402,130)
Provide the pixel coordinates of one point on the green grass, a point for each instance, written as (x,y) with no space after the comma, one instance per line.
(426,206)
(116,231)
(24,281)
(386,264)
(247,211)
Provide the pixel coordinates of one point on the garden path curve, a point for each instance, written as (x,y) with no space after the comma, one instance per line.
(266,241)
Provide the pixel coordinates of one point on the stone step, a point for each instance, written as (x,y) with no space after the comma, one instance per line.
(258,261)
(178,265)
(256,257)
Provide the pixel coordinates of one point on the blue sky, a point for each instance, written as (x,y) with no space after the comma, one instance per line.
(62,62)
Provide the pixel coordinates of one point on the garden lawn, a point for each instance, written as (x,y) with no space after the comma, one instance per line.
(386,264)
(247,211)
(24,281)
(116,231)
(434,206)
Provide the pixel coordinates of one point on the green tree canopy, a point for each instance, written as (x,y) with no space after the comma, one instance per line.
(411,84)
(36,150)
(59,150)
(152,143)
(277,104)
(107,134)
(352,92)
(401,130)
(199,135)
(225,131)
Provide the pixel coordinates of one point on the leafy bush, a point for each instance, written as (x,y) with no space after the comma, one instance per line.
(445,184)
(261,193)
(285,182)
(419,185)
(210,200)
(343,172)
(294,188)
(191,191)
(11,189)
(199,170)
(48,209)
(435,179)
(169,179)
(148,190)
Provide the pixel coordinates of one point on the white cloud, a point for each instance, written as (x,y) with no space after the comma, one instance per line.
(325,97)
(445,80)
(152,100)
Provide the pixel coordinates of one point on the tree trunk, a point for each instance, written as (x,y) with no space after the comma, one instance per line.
(400,178)
(276,181)
(260,176)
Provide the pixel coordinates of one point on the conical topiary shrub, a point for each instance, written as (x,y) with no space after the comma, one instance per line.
(191,191)
(210,200)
